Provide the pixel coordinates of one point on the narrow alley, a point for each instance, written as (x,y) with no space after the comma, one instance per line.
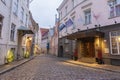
(47,67)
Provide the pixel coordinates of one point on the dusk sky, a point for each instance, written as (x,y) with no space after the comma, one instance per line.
(44,11)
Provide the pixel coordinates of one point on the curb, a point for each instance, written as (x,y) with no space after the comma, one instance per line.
(92,67)
(15,66)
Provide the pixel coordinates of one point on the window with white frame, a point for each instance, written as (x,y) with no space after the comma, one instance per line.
(61,15)
(13,50)
(73,3)
(12,34)
(28,3)
(73,19)
(115,42)
(15,7)
(1,24)
(22,14)
(26,20)
(114,8)
(66,10)
(87,14)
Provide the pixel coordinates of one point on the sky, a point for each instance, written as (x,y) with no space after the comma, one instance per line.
(44,11)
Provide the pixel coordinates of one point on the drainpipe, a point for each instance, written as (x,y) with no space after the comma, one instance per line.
(58,22)
(9,26)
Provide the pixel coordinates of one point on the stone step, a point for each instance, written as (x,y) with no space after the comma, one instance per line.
(88,60)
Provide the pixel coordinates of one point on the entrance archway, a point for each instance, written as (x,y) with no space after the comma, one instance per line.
(88,48)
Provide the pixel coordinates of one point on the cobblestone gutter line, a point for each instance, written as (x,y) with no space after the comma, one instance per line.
(15,65)
(96,66)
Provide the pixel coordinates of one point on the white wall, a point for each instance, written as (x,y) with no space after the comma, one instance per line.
(98,7)
(5,12)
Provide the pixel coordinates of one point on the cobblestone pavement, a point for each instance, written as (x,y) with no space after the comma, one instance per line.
(46,67)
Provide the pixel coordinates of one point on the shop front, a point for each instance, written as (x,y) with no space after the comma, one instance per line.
(89,45)
(22,30)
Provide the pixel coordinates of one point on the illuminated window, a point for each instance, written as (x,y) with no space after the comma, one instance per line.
(115,42)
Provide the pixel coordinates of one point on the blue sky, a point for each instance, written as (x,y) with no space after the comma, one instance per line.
(44,11)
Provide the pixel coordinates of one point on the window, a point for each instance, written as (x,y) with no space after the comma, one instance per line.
(87,16)
(61,15)
(114,8)
(22,14)
(73,19)
(73,3)
(13,50)
(66,10)
(115,42)
(15,7)
(26,20)
(1,24)
(12,32)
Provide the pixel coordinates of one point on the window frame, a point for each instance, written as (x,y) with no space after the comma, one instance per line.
(73,19)
(1,25)
(88,17)
(15,7)
(66,10)
(4,1)
(12,32)
(22,14)
(117,37)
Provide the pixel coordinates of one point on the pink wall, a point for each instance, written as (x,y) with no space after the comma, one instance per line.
(98,7)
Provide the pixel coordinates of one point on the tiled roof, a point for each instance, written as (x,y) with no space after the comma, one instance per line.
(43,31)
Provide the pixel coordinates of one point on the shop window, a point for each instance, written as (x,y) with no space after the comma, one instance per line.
(115,42)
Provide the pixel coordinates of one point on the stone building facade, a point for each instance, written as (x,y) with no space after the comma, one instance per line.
(14,19)
(92,27)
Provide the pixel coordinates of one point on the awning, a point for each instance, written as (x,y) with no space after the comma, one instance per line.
(25,30)
(85,34)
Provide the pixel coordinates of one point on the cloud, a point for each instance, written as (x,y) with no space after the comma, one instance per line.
(44,11)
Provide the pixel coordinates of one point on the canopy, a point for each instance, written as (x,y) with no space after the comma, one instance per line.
(84,34)
(25,30)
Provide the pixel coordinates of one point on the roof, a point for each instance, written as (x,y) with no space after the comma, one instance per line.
(43,31)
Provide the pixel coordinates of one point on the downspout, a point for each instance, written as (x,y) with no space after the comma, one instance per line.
(9,27)
(58,35)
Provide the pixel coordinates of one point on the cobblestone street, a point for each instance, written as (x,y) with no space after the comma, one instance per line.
(46,67)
